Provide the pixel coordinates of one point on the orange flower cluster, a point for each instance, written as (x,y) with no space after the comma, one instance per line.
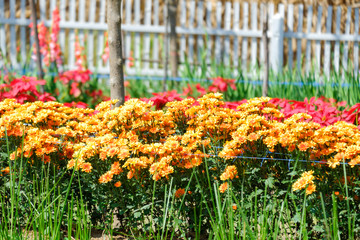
(134,139)
(306,181)
(229,173)
(223,187)
(179,193)
(5,171)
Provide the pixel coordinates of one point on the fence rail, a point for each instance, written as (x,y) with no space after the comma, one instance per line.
(301,37)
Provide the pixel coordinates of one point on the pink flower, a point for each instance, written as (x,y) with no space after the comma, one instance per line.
(25,84)
(75,91)
(200,89)
(23,97)
(24,89)
(49,47)
(77,75)
(187,91)
(322,110)
(106,53)
(80,57)
(221,84)
(46,97)
(76,105)
(130,60)
(160,99)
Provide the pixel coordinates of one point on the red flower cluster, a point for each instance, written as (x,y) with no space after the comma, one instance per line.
(188,91)
(49,46)
(55,50)
(160,99)
(24,90)
(98,94)
(234,105)
(76,105)
(75,77)
(80,57)
(322,110)
(221,84)
(106,54)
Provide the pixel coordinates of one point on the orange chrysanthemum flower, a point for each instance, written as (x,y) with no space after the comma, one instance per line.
(223,187)
(229,173)
(179,193)
(6,170)
(105,178)
(116,169)
(310,188)
(305,181)
(303,146)
(86,167)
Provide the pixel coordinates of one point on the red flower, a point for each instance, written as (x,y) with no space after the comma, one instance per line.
(3,86)
(22,97)
(75,91)
(96,93)
(25,84)
(323,111)
(352,115)
(76,104)
(234,105)
(200,89)
(221,84)
(187,91)
(77,75)
(46,97)
(105,56)
(160,99)
(130,61)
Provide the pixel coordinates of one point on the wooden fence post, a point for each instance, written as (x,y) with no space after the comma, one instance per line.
(265,40)
(2,33)
(172,14)
(166,45)
(276,43)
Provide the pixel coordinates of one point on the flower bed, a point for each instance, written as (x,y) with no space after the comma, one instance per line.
(181,136)
(121,153)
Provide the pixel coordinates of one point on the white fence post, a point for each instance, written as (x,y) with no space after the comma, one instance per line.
(276,42)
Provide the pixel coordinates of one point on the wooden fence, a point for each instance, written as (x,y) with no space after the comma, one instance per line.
(312,38)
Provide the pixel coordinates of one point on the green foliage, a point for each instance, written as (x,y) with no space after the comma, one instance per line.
(287,84)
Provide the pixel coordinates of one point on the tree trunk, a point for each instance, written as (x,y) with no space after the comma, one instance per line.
(37,45)
(173,38)
(117,89)
(265,39)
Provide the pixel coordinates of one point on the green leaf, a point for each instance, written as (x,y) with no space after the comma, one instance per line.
(318,228)
(282,192)
(137,214)
(270,182)
(296,218)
